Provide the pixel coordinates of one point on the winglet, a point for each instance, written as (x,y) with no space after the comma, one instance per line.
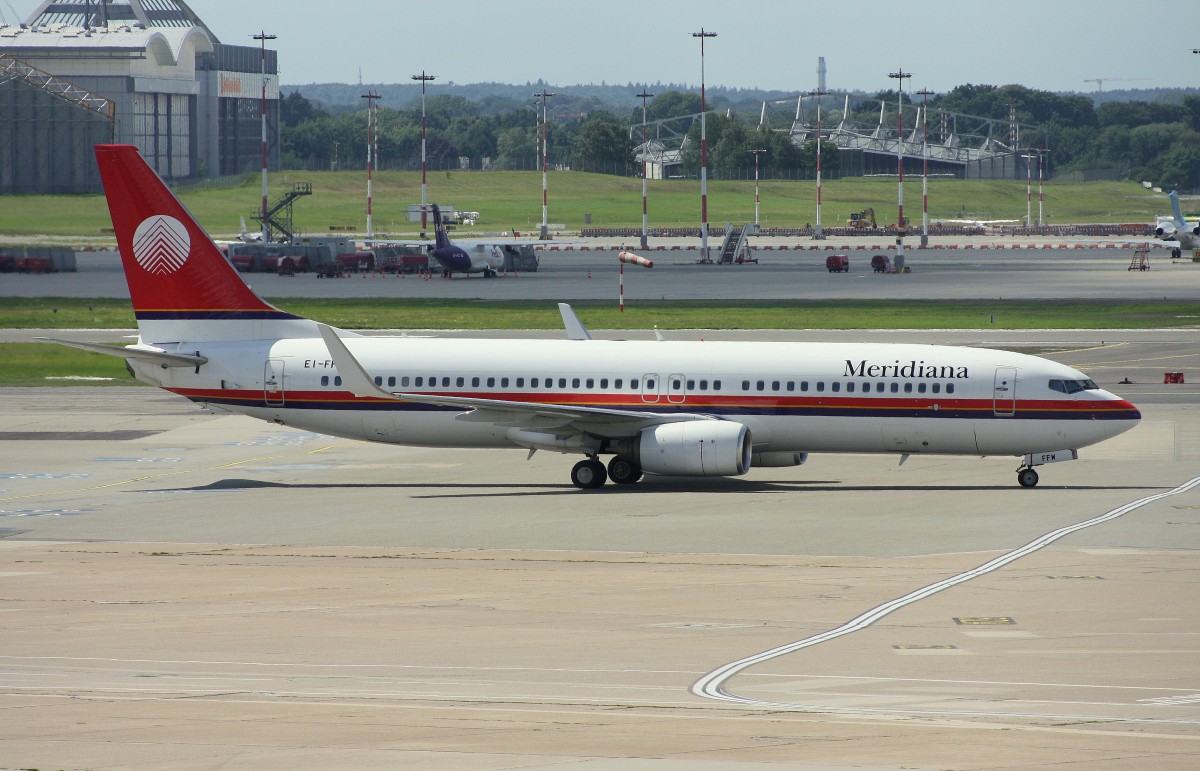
(575,328)
(353,375)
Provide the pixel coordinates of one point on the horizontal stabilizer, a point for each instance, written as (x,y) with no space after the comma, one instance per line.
(131,352)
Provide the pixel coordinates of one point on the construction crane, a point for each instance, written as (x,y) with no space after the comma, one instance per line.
(1100,81)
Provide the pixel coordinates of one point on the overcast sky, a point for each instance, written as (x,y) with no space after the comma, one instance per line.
(1054,45)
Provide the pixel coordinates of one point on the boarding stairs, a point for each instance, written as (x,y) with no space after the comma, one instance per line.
(279,215)
(736,247)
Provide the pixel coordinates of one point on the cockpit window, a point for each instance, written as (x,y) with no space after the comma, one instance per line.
(1073,386)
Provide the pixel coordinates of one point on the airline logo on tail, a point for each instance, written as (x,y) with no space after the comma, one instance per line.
(161,244)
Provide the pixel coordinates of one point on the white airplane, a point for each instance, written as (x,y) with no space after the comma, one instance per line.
(1187,234)
(247,237)
(466,256)
(659,407)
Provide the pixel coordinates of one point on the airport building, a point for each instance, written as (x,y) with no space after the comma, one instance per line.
(149,73)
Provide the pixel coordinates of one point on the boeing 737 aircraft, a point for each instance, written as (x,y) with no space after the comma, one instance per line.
(659,407)
(1179,229)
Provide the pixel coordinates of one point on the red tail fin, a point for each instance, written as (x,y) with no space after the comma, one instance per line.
(175,271)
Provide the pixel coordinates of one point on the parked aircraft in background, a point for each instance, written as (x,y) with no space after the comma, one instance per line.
(1186,234)
(660,407)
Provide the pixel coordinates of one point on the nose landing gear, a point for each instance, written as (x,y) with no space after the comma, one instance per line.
(1027,477)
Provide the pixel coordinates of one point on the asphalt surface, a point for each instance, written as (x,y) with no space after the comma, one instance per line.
(186,590)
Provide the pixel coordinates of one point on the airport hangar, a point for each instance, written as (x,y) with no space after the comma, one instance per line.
(144,72)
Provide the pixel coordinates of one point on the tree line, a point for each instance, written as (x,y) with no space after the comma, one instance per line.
(1156,141)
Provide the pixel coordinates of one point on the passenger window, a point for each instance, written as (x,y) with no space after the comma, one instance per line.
(460,382)
(835,387)
(604,383)
(804,385)
(761,385)
(937,388)
(879,388)
(716,385)
(774,385)
(866,388)
(325,380)
(745,385)
(908,388)
(895,388)
(820,386)
(791,385)
(445,382)
(491,382)
(850,387)
(633,384)
(649,385)
(520,382)
(474,382)
(404,381)
(392,381)
(504,382)
(379,380)
(921,388)
(591,383)
(617,383)
(691,385)
(949,388)
(574,382)
(337,380)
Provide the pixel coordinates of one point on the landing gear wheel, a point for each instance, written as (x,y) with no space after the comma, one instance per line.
(1027,477)
(588,474)
(623,471)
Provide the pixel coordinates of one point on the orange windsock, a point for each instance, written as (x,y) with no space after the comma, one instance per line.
(634,259)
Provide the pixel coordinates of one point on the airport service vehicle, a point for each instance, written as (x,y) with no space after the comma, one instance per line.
(659,407)
(838,263)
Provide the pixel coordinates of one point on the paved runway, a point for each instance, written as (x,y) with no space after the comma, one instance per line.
(940,273)
(186,590)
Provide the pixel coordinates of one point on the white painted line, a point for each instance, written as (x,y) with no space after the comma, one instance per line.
(712,685)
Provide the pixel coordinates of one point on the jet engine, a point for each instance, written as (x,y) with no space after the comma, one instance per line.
(778,459)
(706,448)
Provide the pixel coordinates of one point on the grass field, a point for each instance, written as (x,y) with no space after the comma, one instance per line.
(512,201)
(389,313)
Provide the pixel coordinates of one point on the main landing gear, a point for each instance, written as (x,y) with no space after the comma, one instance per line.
(589,473)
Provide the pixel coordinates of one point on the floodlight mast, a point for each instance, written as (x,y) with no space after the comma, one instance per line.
(544,95)
(371,98)
(703,153)
(645,211)
(900,75)
(757,152)
(818,233)
(424,196)
(263,37)
(926,93)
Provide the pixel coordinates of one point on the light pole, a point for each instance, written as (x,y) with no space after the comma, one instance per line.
(424,198)
(1041,195)
(371,97)
(900,75)
(818,234)
(757,152)
(263,37)
(544,95)
(925,92)
(645,147)
(1028,187)
(703,153)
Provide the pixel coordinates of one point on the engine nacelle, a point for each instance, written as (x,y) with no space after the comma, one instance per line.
(707,448)
(1196,230)
(778,459)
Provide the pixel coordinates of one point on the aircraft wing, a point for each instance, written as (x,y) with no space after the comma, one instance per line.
(504,412)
